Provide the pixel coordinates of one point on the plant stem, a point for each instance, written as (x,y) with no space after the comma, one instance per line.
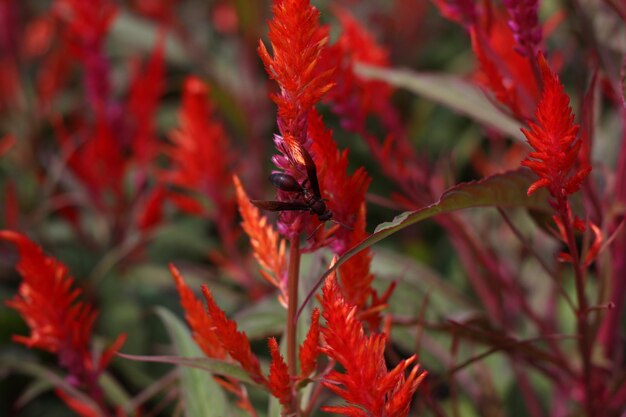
(292,309)
(582,327)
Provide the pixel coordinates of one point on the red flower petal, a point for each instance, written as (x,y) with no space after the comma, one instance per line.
(310,347)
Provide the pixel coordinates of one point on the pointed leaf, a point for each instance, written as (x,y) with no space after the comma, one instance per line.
(214,366)
(450,91)
(203,396)
(500,190)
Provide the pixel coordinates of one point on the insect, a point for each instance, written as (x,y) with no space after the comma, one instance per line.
(309,191)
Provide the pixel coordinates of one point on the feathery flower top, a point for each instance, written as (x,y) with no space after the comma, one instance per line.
(553,138)
(58,323)
(297,41)
(200,138)
(366,384)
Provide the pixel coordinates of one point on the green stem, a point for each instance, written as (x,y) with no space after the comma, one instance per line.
(292,309)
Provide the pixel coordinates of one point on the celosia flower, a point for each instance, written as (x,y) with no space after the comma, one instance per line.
(85,27)
(309,350)
(236,343)
(504,72)
(524,22)
(354,98)
(297,42)
(143,101)
(553,138)
(267,246)
(279,380)
(47,300)
(202,327)
(198,139)
(366,384)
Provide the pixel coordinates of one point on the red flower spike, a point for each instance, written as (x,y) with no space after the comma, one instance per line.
(366,385)
(201,138)
(236,343)
(58,323)
(345,193)
(553,138)
(279,380)
(143,101)
(201,324)
(492,79)
(297,42)
(354,98)
(268,247)
(309,350)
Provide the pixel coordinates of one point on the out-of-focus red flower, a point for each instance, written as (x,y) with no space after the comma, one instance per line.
(553,138)
(463,12)
(504,72)
(267,246)
(99,162)
(224,17)
(163,11)
(87,23)
(198,140)
(309,350)
(524,22)
(201,324)
(354,98)
(143,101)
(85,26)
(47,300)
(279,380)
(236,343)
(365,384)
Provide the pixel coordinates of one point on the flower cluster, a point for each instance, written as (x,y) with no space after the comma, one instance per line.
(59,324)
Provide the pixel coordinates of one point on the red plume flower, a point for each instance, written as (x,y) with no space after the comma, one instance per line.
(201,138)
(354,98)
(201,323)
(553,138)
(268,247)
(47,300)
(279,375)
(366,384)
(309,350)
(297,42)
(236,343)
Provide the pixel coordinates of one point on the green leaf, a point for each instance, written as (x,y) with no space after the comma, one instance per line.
(203,396)
(42,373)
(500,190)
(214,366)
(450,91)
